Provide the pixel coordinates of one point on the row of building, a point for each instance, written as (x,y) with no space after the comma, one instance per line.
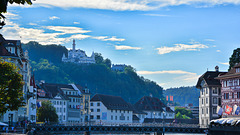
(73,105)
(218,90)
(72,102)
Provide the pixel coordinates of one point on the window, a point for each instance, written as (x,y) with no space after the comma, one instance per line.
(214,110)
(232,95)
(73,99)
(91,117)
(127,117)
(206,100)
(111,110)
(64,109)
(60,109)
(60,102)
(63,117)
(98,110)
(214,90)
(92,110)
(91,104)
(202,100)
(206,110)
(214,100)
(70,106)
(206,90)
(238,94)
(63,102)
(115,117)
(98,104)
(111,117)
(226,95)
(98,117)
(202,111)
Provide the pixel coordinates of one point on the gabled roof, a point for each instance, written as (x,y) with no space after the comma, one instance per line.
(52,90)
(112,102)
(209,78)
(148,103)
(231,74)
(82,89)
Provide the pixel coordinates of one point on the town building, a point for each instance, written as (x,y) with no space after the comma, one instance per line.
(109,109)
(118,67)
(154,109)
(11,51)
(230,91)
(78,56)
(70,100)
(210,96)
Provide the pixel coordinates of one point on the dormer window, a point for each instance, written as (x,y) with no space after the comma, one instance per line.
(237,70)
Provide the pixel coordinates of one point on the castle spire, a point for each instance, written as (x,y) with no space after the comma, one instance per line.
(74,45)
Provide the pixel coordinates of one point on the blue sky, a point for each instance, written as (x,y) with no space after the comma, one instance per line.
(171,42)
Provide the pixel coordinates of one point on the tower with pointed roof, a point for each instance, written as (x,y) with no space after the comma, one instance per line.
(78,56)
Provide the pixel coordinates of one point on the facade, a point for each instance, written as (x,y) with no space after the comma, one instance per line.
(153,108)
(110,109)
(67,99)
(11,51)
(78,56)
(210,96)
(230,89)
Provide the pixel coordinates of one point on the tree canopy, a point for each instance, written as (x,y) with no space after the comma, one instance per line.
(47,112)
(182,113)
(11,96)
(235,58)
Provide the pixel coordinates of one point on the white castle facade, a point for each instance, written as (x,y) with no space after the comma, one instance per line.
(78,56)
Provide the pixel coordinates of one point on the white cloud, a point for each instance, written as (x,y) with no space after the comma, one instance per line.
(76,22)
(67,30)
(124,47)
(181,47)
(53,18)
(211,40)
(14,31)
(224,63)
(32,24)
(218,51)
(122,5)
(106,38)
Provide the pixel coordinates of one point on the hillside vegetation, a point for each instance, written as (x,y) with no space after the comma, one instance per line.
(184,95)
(99,78)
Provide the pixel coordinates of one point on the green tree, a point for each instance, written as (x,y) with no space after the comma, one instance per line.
(98,58)
(185,114)
(11,96)
(179,115)
(107,62)
(235,58)
(47,112)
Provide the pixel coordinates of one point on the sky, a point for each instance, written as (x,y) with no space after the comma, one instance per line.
(171,42)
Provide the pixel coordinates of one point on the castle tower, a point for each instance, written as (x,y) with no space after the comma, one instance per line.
(74,45)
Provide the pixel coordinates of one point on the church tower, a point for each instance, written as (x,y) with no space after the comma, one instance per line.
(74,45)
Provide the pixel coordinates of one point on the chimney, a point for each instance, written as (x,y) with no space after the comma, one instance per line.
(216,68)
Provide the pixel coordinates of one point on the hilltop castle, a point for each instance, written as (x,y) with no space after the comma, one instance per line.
(78,56)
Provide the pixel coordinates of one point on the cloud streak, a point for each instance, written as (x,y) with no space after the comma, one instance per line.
(53,18)
(107,38)
(131,5)
(181,47)
(124,47)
